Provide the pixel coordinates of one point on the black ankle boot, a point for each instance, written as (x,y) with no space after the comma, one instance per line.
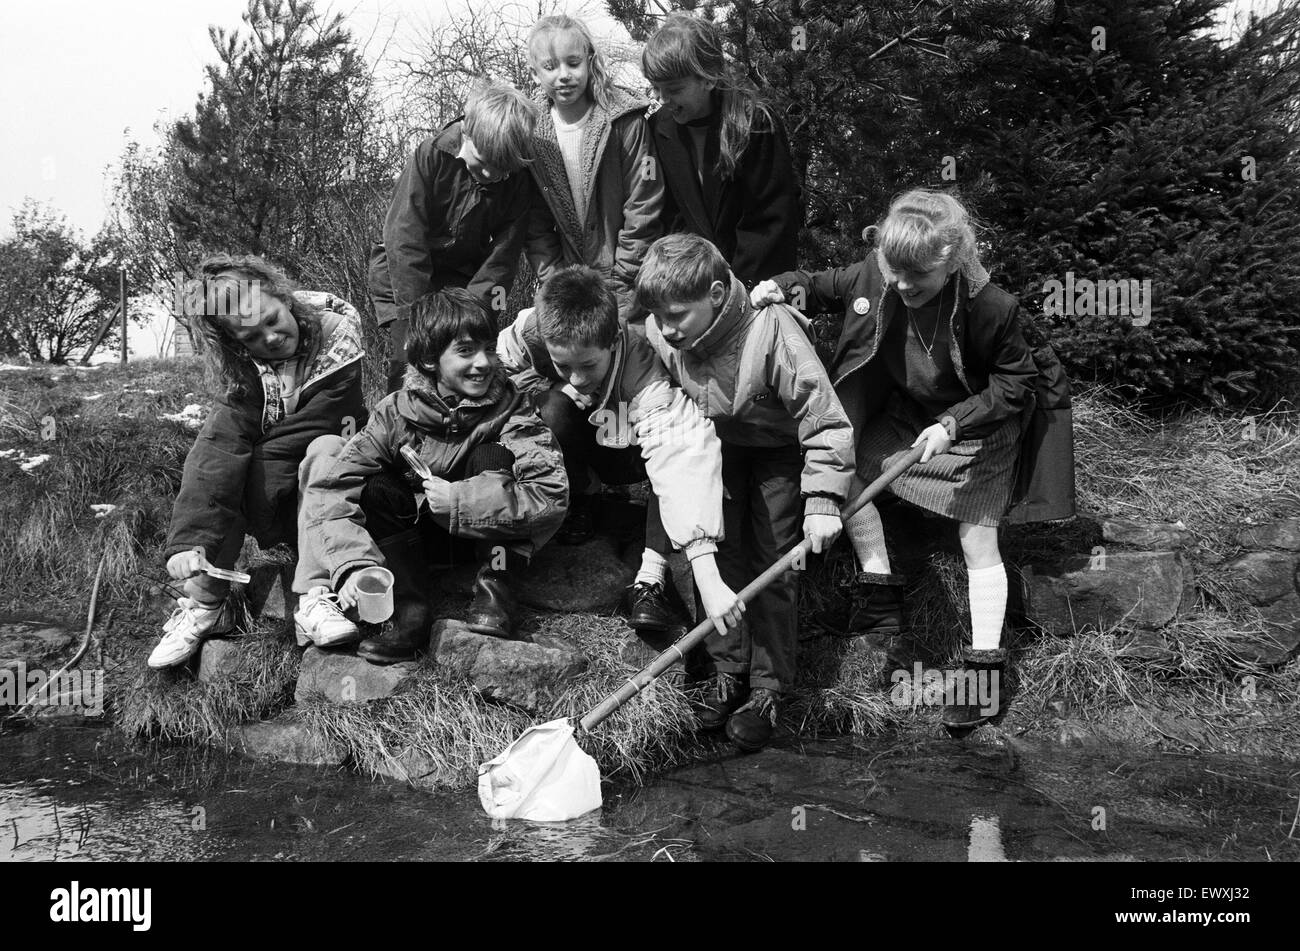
(722,694)
(877,606)
(495,610)
(656,606)
(406,635)
(751,727)
(580,523)
(988,684)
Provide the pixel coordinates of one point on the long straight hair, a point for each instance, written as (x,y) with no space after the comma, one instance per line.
(599,83)
(686,47)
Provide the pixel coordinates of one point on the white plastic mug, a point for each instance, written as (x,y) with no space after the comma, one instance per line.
(374,594)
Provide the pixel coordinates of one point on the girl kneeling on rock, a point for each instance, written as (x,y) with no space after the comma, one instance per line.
(494,493)
(932,354)
(290,362)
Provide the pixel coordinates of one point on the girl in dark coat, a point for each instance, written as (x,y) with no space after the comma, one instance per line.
(724,156)
(931,354)
(290,362)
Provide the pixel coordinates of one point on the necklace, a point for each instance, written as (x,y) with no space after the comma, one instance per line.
(938,316)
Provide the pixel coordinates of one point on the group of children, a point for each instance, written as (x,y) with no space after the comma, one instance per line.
(666,254)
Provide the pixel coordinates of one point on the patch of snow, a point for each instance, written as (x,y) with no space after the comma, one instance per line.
(191,416)
(102,508)
(13,366)
(94,396)
(33,462)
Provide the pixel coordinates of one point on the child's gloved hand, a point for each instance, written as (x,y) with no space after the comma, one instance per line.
(720,602)
(185,564)
(582,402)
(936,439)
(821,531)
(766,292)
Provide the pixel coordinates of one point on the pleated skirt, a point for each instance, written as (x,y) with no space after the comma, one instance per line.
(971,482)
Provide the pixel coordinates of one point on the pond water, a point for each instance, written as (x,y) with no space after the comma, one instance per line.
(83,793)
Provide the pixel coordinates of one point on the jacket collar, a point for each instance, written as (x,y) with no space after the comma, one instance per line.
(729,324)
(420,402)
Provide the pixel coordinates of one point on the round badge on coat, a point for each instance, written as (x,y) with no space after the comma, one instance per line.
(861,305)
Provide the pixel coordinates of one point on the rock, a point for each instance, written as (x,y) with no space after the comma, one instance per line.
(418,769)
(346,678)
(28,642)
(1262,577)
(1281,637)
(528,675)
(287,740)
(572,578)
(1283,534)
(270,592)
(1074,733)
(1138,589)
(1144,645)
(221,659)
(1145,536)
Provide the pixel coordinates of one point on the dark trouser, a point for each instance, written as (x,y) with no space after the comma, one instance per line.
(396,355)
(761,516)
(389,506)
(577,438)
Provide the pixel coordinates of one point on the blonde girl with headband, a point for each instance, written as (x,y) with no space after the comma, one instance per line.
(594,163)
(931,354)
(724,156)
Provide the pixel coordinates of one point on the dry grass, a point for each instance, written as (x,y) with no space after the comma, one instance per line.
(174,706)
(1196,467)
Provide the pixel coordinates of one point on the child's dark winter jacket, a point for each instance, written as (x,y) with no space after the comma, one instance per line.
(444,229)
(245,460)
(1003,376)
(753,217)
(626,193)
(526,504)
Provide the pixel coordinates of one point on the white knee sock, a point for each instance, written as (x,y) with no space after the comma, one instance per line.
(654,568)
(867,535)
(988,606)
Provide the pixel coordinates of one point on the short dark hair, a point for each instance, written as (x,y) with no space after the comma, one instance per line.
(440,319)
(679,267)
(577,307)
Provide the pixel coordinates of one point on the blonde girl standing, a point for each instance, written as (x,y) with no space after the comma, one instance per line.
(932,354)
(594,161)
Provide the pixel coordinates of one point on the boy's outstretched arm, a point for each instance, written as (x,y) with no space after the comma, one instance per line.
(683,459)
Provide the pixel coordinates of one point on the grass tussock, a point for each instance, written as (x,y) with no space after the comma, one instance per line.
(445,729)
(1213,472)
(174,706)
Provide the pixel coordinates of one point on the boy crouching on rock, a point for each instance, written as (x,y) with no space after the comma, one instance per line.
(787,461)
(495,494)
(608,399)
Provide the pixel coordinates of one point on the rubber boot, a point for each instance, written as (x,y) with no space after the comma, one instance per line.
(723,693)
(495,610)
(406,635)
(989,667)
(877,606)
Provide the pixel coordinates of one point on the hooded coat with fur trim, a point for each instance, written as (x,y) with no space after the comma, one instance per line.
(526,504)
(625,196)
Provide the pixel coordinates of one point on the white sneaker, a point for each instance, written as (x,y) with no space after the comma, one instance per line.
(319,620)
(185,631)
